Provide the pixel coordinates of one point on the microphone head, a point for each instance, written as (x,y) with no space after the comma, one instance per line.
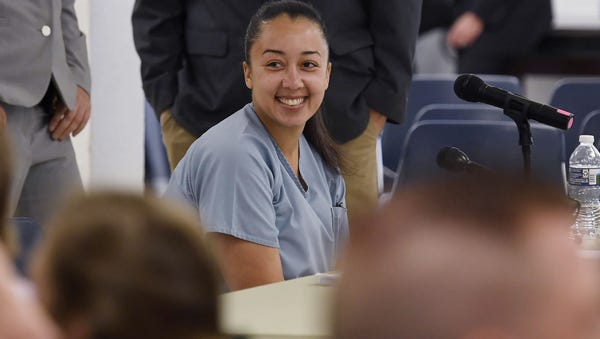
(468,86)
(452,159)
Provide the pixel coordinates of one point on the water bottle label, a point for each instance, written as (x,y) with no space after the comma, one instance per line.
(584,176)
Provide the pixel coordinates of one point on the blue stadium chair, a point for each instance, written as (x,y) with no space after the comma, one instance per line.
(461,112)
(429,89)
(578,96)
(591,125)
(28,233)
(494,144)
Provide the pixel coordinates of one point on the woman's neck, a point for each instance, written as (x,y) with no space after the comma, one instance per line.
(288,142)
(287,138)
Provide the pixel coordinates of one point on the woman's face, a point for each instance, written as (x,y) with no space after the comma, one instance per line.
(288,72)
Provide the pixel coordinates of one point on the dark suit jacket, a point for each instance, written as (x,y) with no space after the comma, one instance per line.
(192,51)
(512,29)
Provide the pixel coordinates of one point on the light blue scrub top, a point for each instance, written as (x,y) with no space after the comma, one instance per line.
(237,178)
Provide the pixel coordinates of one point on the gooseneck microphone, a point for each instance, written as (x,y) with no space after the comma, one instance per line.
(471,88)
(454,160)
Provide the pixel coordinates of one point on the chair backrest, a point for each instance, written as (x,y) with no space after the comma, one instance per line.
(494,144)
(28,233)
(429,89)
(591,125)
(578,96)
(461,112)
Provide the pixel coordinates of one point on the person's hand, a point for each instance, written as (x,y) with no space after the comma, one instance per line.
(465,30)
(65,122)
(378,119)
(2,118)
(164,114)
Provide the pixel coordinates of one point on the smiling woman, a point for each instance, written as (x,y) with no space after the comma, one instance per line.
(266,181)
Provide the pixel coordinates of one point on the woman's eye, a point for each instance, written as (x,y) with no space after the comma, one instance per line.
(309,64)
(274,64)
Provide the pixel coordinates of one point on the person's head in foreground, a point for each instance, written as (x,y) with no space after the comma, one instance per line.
(479,258)
(118,265)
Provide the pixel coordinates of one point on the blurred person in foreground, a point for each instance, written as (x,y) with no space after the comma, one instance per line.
(479,258)
(21,317)
(118,265)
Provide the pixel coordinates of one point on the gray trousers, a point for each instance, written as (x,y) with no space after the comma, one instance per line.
(45,170)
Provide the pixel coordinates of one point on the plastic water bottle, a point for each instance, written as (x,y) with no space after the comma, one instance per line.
(584,186)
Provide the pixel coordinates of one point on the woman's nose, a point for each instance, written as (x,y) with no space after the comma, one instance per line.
(292,79)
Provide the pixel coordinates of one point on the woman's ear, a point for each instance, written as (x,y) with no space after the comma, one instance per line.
(247,74)
(328,74)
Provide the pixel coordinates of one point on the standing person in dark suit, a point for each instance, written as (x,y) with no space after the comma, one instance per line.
(191,53)
(372,48)
(44,99)
(488,34)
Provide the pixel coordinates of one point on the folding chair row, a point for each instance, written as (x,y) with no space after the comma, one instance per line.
(429,89)
(493,144)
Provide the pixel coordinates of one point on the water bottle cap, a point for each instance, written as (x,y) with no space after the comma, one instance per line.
(588,139)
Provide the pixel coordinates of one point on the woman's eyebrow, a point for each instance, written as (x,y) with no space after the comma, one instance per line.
(276,51)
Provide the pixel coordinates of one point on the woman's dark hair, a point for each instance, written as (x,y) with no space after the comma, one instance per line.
(316,134)
(314,131)
(273,9)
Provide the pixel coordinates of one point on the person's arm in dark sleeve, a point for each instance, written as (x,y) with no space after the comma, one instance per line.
(475,17)
(436,14)
(394,26)
(492,12)
(158,37)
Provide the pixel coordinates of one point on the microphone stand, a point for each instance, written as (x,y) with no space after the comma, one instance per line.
(525,138)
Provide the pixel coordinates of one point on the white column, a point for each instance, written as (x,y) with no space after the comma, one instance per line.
(117,123)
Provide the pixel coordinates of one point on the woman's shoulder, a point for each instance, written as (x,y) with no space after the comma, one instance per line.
(239,136)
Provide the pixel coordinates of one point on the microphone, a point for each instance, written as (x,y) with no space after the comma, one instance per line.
(471,88)
(454,160)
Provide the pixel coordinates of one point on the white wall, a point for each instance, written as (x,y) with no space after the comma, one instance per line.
(576,14)
(110,151)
